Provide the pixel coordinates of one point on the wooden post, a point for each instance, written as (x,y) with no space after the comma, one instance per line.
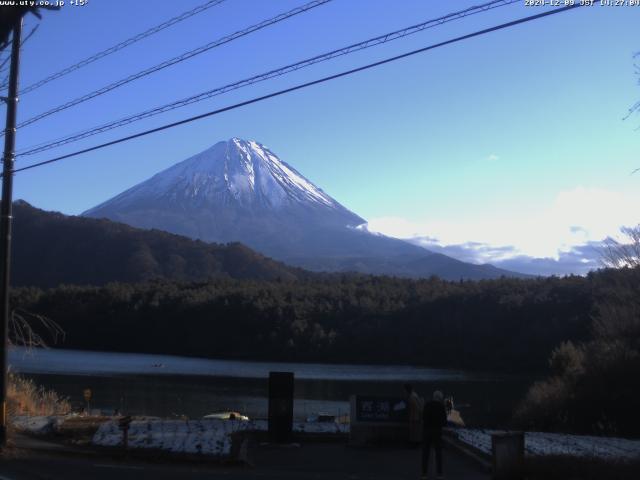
(507,450)
(6,216)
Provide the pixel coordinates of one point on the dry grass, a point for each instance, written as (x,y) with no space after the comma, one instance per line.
(24,397)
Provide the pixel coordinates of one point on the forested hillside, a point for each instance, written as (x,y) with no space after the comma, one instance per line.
(51,248)
(593,385)
(507,324)
(583,332)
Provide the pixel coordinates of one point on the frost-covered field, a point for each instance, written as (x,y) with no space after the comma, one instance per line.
(37,425)
(207,437)
(540,443)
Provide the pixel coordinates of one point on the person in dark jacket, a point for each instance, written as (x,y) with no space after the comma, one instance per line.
(434,417)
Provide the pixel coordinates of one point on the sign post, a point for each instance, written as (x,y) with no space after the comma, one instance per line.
(87,398)
(376,419)
(507,451)
(280,406)
(124,423)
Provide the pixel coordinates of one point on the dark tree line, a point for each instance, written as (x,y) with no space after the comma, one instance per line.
(584,332)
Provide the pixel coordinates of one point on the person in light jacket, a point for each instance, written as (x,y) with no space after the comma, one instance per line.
(434,418)
(415,406)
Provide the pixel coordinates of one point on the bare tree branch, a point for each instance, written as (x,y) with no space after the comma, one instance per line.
(626,253)
(636,107)
(24,327)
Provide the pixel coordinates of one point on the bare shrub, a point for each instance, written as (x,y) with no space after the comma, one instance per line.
(593,386)
(24,397)
(24,327)
(625,253)
(567,359)
(544,406)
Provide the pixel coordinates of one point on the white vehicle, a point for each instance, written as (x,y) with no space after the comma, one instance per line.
(227,416)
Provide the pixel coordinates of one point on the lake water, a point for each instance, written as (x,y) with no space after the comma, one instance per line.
(163,385)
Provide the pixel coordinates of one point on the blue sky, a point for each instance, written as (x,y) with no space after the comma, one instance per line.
(503,148)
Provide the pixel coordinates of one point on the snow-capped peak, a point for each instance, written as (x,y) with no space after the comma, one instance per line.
(235,171)
(259,158)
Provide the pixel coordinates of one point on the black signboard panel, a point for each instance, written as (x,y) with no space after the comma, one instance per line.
(280,406)
(381,409)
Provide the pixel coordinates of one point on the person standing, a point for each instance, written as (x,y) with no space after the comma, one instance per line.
(434,419)
(415,406)
(448,405)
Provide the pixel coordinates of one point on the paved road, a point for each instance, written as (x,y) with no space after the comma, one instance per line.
(310,461)
(330,460)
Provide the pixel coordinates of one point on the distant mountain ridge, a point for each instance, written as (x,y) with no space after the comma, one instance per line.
(240,191)
(50,248)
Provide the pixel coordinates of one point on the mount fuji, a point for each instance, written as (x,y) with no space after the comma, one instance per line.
(239,190)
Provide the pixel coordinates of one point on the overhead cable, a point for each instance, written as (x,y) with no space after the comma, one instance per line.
(172,61)
(303,85)
(124,44)
(266,76)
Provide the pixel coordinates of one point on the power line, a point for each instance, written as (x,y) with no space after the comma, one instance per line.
(3,68)
(301,86)
(175,60)
(266,76)
(121,45)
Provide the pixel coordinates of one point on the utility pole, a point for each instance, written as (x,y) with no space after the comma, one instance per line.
(6,218)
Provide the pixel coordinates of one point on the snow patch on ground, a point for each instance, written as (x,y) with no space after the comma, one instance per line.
(206,437)
(541,443)
(210,437)
(38,425)
(320,427)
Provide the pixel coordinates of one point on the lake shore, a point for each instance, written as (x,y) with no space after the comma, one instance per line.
(170,387)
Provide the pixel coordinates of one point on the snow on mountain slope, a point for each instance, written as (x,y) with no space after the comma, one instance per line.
(241,191)
(236,171)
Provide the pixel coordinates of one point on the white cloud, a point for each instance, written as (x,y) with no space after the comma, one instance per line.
(575,218)
(493,157)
